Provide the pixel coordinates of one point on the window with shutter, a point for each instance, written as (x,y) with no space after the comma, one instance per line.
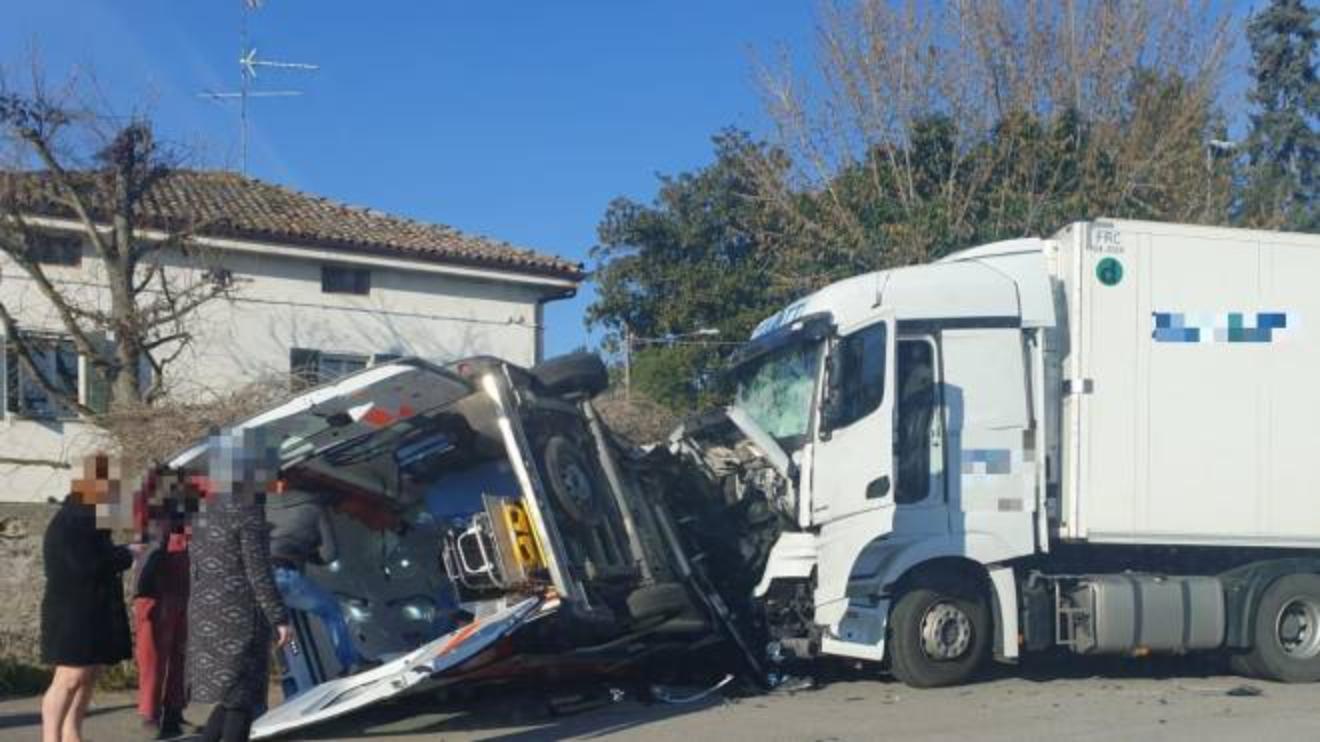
(57,361)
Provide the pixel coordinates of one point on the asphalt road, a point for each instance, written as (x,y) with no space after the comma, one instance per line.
(1097,700)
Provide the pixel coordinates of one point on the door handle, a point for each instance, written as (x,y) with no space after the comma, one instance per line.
(878,488)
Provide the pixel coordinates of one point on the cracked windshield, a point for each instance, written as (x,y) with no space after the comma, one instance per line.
(777,390)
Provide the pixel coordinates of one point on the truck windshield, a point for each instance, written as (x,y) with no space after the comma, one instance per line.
(776,390)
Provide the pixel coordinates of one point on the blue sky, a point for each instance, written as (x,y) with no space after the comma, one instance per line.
(518,120)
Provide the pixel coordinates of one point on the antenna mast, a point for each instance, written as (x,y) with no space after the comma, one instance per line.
(248,62)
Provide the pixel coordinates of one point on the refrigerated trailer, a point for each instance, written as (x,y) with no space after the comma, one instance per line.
(1103,442)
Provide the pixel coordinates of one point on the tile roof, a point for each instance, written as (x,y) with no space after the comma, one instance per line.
(226,204)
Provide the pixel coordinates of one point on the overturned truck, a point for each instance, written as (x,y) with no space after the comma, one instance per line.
(1093,443)
(489,528)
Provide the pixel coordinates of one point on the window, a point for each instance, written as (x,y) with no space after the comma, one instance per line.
(312,367)
(57,250)
(917,405)
(861,369)
(776,390)
(338,279)
(57,360)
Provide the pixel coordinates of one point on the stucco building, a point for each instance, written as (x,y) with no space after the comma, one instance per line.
(319,288)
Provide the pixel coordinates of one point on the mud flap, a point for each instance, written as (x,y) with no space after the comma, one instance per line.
(340,696)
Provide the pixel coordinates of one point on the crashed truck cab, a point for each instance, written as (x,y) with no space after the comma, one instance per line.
(485,531)
(851,422)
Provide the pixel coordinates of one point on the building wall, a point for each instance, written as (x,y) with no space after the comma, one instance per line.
(277,305)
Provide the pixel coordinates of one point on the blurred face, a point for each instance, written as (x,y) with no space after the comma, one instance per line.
(171,500)
(241,465)
(101,486)
(100,483)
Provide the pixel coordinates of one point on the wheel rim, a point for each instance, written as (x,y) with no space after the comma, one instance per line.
(1297,627)
(577,486)
(946,632)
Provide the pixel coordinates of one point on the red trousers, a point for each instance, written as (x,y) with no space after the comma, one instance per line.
(161,630)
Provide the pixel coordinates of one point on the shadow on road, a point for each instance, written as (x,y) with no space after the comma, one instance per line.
(10,721)
(1065,666)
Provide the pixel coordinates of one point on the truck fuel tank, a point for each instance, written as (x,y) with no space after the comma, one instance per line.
(1130,613)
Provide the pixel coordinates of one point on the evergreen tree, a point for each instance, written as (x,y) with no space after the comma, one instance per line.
(1283,143)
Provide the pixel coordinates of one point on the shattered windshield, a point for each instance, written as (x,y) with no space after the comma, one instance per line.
(776,390)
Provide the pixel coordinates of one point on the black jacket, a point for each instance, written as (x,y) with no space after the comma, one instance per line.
(83,618)
(300,530)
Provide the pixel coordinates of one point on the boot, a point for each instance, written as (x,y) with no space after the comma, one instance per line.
(172,724)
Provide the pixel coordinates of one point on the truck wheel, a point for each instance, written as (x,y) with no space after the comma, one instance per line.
(663,599)
(938,639)
(575,373)
(570,481)
(1286,641)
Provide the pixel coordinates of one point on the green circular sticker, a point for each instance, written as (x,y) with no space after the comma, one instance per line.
(1109,271)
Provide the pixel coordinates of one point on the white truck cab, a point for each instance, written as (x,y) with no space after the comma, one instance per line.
(1097,441)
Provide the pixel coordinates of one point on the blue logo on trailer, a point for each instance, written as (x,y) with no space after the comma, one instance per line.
(987,461)
(1231,327)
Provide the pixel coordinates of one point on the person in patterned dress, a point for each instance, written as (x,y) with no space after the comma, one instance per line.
(235,612)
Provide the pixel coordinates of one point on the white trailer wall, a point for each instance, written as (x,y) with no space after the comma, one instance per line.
(1193,415)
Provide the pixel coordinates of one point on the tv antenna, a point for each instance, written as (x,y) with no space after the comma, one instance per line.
(248,63)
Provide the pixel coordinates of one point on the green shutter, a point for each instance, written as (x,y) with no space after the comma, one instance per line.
(11,378)
(95,382)
(303,364)
(96,388)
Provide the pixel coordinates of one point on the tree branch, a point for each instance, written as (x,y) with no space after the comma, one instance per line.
(157,389)
(68,313)
(65,185)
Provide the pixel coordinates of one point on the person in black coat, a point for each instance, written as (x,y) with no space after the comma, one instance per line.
(84,623)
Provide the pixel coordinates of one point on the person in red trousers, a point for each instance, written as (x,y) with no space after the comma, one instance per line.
(160,617)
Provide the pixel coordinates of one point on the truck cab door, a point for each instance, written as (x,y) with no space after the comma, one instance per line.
(852,461)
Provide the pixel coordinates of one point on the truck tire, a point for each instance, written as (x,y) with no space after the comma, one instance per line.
(569,479)
(1286,639)
(663,599)
(572,374)
(938,638)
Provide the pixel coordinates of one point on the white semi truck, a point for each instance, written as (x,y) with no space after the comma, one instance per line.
(1101,442)
(1105,441)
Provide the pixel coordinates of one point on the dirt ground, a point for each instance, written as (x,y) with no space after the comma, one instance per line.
(1096,700)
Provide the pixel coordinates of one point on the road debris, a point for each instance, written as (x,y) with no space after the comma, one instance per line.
(783,683)
(670,694)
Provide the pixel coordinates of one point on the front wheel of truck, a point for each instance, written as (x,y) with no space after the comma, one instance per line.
(938,638)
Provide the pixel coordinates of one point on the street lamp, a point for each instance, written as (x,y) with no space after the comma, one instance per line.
(629,340)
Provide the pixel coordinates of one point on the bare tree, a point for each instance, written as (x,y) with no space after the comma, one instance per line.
(100,174)
(925,125)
